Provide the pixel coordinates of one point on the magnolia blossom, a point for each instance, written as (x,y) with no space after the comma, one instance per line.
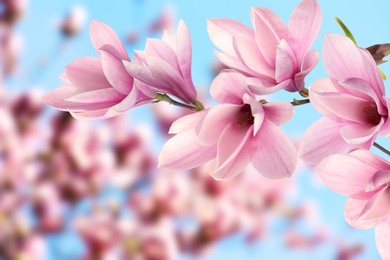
(352,101)
(166,65)
(232,134)
(365,179)
(273,56)
(100,88)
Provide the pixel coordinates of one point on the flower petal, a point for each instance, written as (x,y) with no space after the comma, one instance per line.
(352,211)
(215,121)
(221,32)
(116,73)
(264,87)
(278,112)
(233,153)
(344,174)
(286,65)
(187,122)
(322,139)
(247,51)
(303,27)
(382,238)
(184,152)
(229,87)
(342,58)
(102,34)
(272,152)
(378,207)
(87,73)
(360,134)
(184,49)
(267,32)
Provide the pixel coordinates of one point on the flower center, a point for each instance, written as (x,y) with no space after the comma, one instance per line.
(245,117)
(370,111)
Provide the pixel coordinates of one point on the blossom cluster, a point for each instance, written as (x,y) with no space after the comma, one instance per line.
(243,128)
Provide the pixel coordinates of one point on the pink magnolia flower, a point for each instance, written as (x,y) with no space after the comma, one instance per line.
(365,179)
(166,65)
(273,56)
(100,88)
(232,134)
(352,101)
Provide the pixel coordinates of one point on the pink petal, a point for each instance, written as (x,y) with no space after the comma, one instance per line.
(102,34)
(371,159)
(233,62)
(378,207)
(187,122)
(344,174)
(303,27)
(106,95)
(309,62)
(374,78)
(92,115)
(229,87)
(382,238)
(278,112)
(380,178)
(184,151)
(58,98)
(317,89)
(116,73)
(272,152)
(247,51)
(170,80)
(140,72)
(368,91)
(342,105)
(352,211)
(264,87)
(160,49)
(257,112)
(267,32)
(184,49)
(215,121)
(360,134)
(221,32)
(322,139)
(135,98)
(232,153)
(342,59)
(86,72)
(286,65)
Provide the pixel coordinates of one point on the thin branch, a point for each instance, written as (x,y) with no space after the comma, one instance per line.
(297,102)
(382,148)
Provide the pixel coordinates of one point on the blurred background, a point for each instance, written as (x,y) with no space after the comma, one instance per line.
(91,190)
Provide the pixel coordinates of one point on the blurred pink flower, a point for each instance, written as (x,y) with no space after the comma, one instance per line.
(273,56)
(100,88)
(166,64)
(74,21)
(232,134)
(365,179)
(352,101)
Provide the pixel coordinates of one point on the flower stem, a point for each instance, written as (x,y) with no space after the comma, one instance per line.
(382,148)
(165,98)
(297,102)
